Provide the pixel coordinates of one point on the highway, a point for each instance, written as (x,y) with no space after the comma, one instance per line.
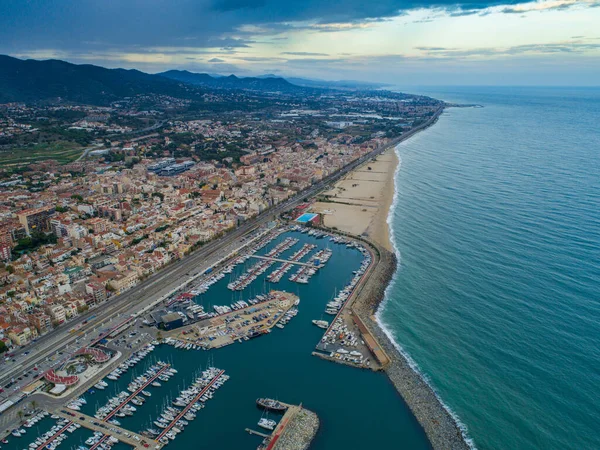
(161,283)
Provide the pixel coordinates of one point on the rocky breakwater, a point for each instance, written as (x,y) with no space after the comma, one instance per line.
(299,431)
(441,428)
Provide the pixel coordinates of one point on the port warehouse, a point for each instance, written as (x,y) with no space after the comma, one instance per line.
(168,167)
(167,320)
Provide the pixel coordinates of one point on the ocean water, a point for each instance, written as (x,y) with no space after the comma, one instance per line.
(497,298)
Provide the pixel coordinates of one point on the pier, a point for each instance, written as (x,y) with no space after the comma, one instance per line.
(99,443)
(258,433)
(189,405)
(55,435)
(128,437)
(285,261)
(230,327)
(280,428)
(137,391)
(296,429)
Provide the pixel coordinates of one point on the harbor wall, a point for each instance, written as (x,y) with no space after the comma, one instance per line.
(299,431)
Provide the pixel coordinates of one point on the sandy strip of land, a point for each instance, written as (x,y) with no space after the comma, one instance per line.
(359,203)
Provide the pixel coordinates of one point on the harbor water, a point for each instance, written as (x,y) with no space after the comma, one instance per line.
(357,408)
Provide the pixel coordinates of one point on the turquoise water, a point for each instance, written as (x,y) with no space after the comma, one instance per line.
(357,408)
(497,299)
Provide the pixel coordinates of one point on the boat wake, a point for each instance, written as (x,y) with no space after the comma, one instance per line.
(386,329)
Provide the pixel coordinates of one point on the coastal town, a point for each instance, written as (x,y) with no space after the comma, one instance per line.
(73,235)
(146,227)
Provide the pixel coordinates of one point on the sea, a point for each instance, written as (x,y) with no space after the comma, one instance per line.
(496,224)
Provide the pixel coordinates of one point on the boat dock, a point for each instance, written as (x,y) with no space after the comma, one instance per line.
(280,428)
(285,261)
(54,436)
(237,325)
(136,392)
(189,405)
(258,433)
(122,434)
(297,427)
(99,443)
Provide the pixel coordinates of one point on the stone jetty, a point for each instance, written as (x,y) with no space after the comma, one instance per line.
(299,431)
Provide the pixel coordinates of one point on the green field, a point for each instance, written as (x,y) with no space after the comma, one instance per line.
(63,152)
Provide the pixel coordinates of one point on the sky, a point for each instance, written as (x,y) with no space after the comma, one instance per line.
(401,42)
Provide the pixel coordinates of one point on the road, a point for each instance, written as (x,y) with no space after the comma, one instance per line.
(157,125)
(87,150)
(163,282)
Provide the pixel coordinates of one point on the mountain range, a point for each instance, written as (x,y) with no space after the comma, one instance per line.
(231,81)
(54,80)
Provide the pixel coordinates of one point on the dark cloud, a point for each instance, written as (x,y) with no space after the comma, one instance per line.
(130,24)
(349,11)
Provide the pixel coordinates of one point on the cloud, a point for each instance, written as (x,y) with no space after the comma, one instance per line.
(228,24)
(303,54)
(214,25)
(574,46)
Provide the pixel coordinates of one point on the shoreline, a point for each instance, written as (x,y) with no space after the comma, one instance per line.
(358,204)
(441,426)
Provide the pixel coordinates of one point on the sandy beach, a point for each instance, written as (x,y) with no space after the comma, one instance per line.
(359,203)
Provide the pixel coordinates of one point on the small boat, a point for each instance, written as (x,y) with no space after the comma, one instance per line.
(267,424)
(271,405)
(321,323)
(146,393)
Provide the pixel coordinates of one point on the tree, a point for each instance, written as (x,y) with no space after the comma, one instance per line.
(33,405)
(159,336)
(20,414)
(3,347)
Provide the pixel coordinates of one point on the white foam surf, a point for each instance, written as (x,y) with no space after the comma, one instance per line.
(386,329)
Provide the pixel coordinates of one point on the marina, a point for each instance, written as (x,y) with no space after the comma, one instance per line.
(278,273)
(278,365)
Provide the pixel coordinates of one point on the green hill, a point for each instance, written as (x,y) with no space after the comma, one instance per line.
(53,80)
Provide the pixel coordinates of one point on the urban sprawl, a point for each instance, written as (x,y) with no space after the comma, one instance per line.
(152,185)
